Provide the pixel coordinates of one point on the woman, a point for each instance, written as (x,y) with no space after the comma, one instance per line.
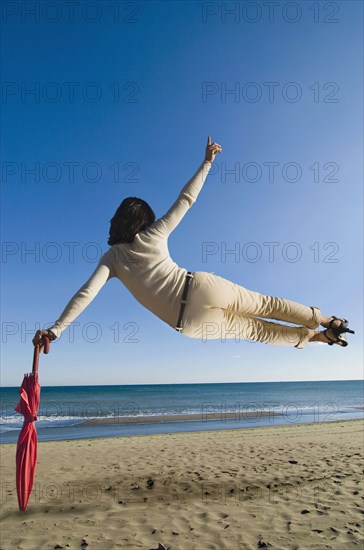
(198,304)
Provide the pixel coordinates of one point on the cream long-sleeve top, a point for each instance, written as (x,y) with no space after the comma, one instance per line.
(144,266)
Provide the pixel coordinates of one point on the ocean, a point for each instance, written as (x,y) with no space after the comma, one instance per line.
(66,411)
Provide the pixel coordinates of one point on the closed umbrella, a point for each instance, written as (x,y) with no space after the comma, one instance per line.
(26,452)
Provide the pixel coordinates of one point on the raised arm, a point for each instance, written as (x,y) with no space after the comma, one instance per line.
(167,223)
(79,301)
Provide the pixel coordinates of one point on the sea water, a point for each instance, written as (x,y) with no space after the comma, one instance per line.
(64,409)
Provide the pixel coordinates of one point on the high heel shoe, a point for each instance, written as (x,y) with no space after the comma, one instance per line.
(337,332)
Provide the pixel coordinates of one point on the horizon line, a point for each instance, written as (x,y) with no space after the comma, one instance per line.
(192,383)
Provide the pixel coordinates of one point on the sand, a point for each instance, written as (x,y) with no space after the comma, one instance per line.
(194,417)
(282,487)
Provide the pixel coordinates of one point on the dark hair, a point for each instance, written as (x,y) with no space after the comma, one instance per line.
(132,216)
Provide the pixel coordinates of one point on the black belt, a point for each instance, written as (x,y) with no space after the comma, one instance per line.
(189,277)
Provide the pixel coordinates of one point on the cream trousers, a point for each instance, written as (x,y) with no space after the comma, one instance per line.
(219,309)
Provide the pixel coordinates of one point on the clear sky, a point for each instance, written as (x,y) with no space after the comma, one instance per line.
(103,100)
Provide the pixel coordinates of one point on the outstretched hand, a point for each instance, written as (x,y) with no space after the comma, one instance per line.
(38,339)
(211,150)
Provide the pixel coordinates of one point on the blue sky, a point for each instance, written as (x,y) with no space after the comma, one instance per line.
(123,107)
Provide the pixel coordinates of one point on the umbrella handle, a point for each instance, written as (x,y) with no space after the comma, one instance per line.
(36,354)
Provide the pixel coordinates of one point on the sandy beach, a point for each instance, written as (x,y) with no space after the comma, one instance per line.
(282,487)
(199,417)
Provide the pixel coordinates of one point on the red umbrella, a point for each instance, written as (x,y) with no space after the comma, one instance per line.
(26,452)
